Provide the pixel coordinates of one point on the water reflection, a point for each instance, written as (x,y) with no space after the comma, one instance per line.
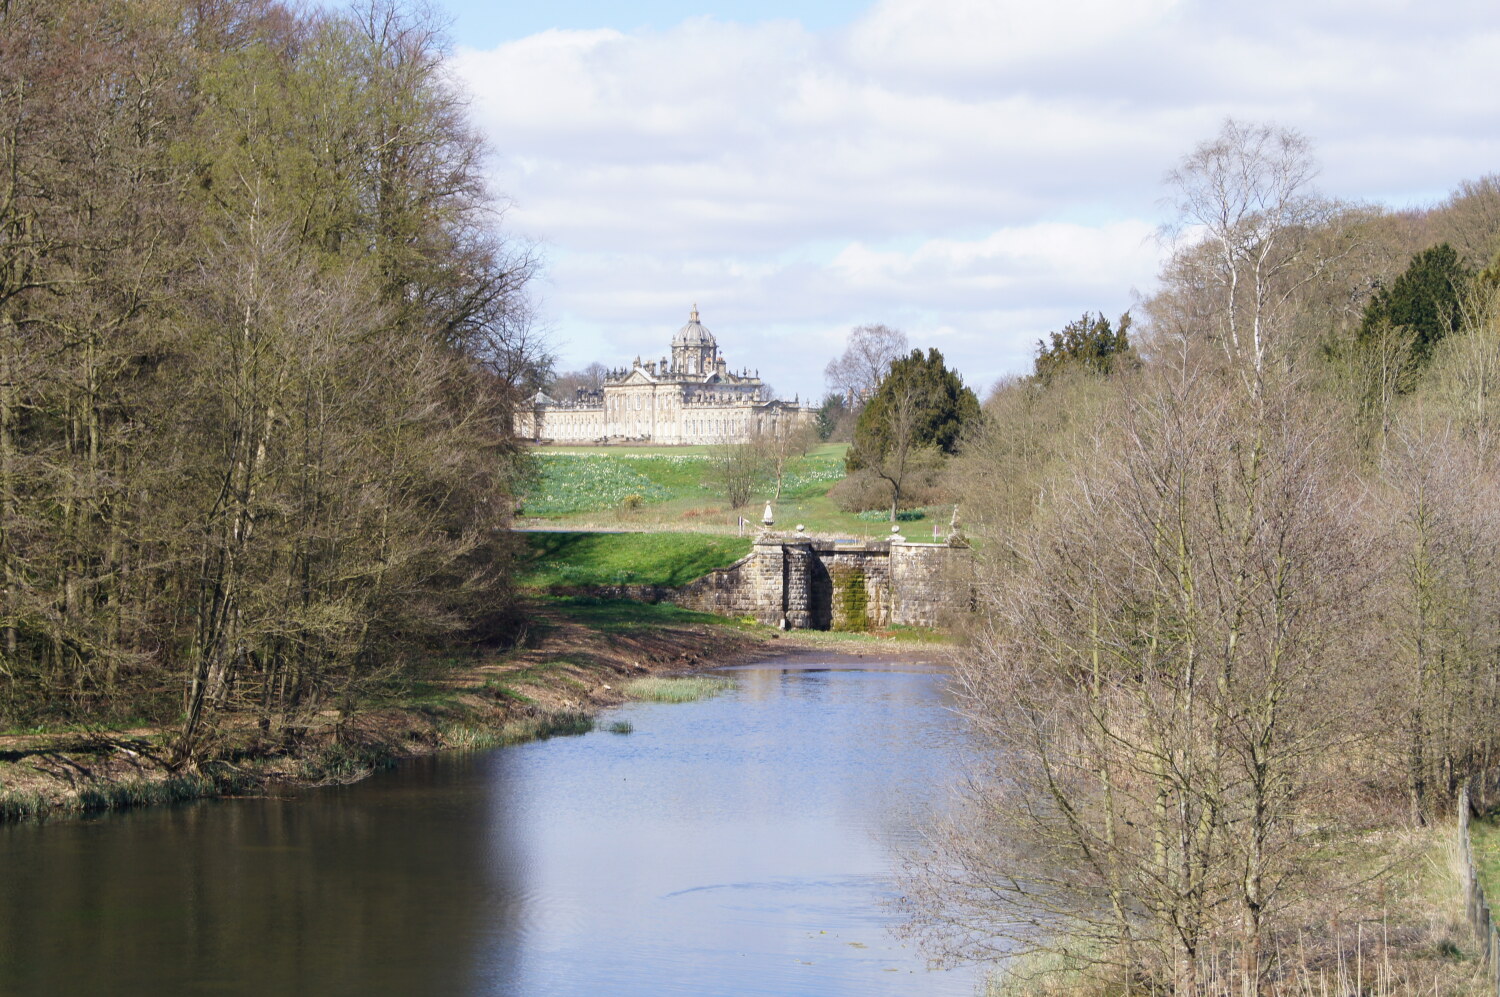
(734,846)
(339,891)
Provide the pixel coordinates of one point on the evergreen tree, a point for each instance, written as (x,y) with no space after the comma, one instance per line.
(1088,343)
(917,414)
(1424,299)
(830,415)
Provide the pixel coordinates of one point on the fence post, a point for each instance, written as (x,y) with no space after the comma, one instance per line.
(1476,906)
(1494,962)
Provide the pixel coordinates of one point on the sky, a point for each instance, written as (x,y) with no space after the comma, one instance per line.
(975,173)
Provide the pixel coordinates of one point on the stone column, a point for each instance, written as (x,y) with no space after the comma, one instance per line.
(768,580)
(798,586)
(902,577)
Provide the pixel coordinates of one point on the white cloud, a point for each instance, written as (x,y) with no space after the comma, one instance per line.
(978,171)
(1029,262)
(984,301)
(981,37)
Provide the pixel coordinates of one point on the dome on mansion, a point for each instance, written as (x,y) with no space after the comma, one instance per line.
(693,397)
(694,333)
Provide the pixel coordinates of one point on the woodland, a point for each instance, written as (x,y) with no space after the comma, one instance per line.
(259,339)
(1238,625)
(1238,651)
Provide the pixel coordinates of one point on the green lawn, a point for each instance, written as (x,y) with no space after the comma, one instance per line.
(1484,835)
(625,451)
(672,488)
(565,558)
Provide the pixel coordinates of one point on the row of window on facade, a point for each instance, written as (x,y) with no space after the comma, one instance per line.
(693,425)
(614,404)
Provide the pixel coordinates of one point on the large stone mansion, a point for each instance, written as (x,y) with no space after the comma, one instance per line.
(693,398)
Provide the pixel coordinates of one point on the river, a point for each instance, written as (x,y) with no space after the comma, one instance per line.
(739,845)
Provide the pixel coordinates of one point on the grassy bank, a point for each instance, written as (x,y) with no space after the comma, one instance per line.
(560,559)
(578,657)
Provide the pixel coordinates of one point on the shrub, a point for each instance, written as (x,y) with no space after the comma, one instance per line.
(902,516)
(862,491)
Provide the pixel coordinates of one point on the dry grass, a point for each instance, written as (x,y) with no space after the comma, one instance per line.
(1387,922)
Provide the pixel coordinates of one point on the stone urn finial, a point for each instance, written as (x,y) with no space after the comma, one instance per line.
(956,536)
(769,518)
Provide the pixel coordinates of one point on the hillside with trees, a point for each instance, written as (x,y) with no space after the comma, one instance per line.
(259,338)
(1237,650)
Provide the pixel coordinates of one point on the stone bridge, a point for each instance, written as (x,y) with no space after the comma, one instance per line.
(802,583)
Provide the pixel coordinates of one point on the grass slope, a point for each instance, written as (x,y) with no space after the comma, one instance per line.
(624,617)
(674,488)
(565,558)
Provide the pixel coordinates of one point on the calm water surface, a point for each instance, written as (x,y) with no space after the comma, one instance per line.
(735,846)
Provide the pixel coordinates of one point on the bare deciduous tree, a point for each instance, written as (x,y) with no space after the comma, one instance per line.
(258,336)
(569,383)
(1249,192)
(1471,220)
(739,469)
(780,440)
(907,453)
(867,357)
(1228,641)
(1156,680)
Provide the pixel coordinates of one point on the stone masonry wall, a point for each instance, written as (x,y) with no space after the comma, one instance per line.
(859,586)
(755,585)
(723,591)
(930,583)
